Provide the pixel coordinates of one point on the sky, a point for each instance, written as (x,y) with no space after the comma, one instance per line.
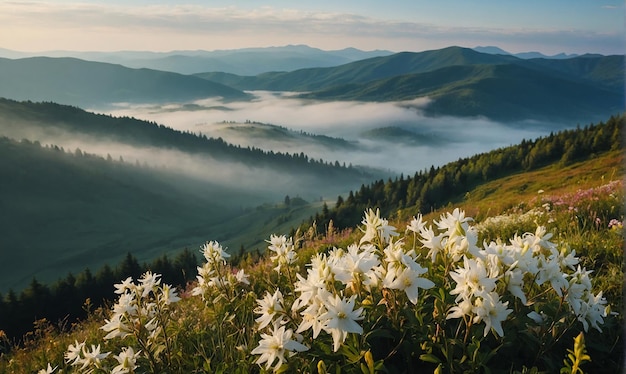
(546,26)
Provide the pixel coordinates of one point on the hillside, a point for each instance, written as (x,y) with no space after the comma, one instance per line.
(219,321)
(68,211)
(86,83)
(463,82)
(52,122)
(500,92)
(433,189)
(173,190)
(362,71)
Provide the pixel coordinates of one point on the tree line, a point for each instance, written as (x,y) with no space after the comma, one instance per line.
(70,299)
(431,189)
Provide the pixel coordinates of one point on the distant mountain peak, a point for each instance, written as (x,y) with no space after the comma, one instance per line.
(492,50)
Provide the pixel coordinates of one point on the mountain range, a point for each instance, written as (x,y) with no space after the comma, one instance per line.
(245,61)
(457,81)
(83,83)
(463,82)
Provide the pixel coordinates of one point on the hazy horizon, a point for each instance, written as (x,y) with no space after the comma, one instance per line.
(553,27)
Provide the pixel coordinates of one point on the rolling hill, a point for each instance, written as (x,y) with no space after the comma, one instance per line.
(503,92)
(361,71)
(464,82)
(85,83)
(245,61)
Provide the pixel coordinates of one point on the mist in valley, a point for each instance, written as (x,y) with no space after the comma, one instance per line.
(408,142)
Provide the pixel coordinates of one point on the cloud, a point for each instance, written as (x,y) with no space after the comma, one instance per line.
(448,138)
(180,26)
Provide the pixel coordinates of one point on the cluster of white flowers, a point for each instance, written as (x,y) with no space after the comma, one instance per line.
(343,288)
(283,249)
(485,273)
(331,296)
(91,360)
(213,273)
(328,297)
(141,311)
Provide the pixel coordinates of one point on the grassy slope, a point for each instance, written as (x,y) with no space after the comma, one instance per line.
(496,196)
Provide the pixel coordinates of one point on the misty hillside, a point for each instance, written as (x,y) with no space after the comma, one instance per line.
(55,123)
(85,83)
(432,189)
(244,61)
(464,82)
(277,137)
(501,92)
(64,211)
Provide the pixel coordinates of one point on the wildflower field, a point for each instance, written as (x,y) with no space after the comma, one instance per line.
(537,288)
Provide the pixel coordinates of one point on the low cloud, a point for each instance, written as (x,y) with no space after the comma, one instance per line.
(445,139)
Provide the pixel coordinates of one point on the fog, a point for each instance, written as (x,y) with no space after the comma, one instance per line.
(228,183)
(444,139)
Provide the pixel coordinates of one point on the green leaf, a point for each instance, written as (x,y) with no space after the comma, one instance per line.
(429,357)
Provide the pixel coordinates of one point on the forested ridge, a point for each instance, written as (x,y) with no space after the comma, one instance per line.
(137,132)
(430,189)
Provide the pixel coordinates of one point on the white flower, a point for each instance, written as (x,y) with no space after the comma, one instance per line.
(357,265)
(593,311)
(214,253)
(340,319)
(515,282)
(539,318)
(376,227)
(149,282)
(434,243)
(127,284)
(455,223)
(472,279)
(312,317)
(416,225)
(48,370)
(409,281)
(115,327)
(242,277)
(284,249)
(73,354)
(127,360)
(93,357)
(550,271)
(169,295)
(489,309)
(126,304)
(463,308)
(269,305)
(274,346)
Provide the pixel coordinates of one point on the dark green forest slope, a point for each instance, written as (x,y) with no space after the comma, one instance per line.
(64,211)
